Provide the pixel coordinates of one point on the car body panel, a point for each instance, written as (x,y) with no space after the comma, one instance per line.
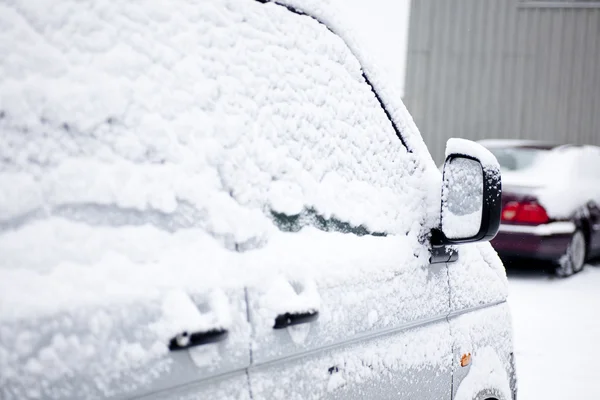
(530,245)
(476,278)
(374,304)
(183,187)
(361,287)
(230,386)
(393,364)
(485,334)
(119,352)
(480,324)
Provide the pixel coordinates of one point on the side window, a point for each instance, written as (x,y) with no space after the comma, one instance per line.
(257,122)
(314,144)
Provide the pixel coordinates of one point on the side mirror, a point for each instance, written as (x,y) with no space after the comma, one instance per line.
(471,194)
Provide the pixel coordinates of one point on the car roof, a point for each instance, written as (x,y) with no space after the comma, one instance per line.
(525,144)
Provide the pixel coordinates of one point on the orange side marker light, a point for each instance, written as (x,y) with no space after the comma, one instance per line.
(465,360)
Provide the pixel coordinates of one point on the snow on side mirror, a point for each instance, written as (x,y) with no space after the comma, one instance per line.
(471,194)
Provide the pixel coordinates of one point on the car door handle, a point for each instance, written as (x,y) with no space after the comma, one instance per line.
(289,319)
(186,340)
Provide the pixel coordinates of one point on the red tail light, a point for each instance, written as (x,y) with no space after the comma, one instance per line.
(510,211)
(527,213)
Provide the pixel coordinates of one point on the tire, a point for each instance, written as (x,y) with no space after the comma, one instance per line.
(574,259)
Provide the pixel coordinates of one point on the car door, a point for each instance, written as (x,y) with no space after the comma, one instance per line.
(127,350)
(118,261)
(344,303)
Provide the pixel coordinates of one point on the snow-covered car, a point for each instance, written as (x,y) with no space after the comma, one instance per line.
(550,203)
(227,199)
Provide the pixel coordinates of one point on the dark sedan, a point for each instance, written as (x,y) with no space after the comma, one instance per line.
(550,203)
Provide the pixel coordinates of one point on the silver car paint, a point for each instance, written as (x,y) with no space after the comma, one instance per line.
(303,370)
(272,364)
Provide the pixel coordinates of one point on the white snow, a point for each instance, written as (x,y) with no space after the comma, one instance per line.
(563,179)
(173,132)
(552,228)
(144,150)
(155,142)
(462,198)
(571,177)
(506,142)
(183,316)
(165,160)
(478,277)
(393,360)
(556,334)
(388,88)
(473,149)
(462,226)
(487,371)
(280,297)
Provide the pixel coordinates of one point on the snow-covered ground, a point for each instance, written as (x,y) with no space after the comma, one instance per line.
(557,334)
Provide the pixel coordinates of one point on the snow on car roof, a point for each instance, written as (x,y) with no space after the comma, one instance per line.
(553,176)
(494,143)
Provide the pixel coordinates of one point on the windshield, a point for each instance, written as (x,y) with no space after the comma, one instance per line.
(519,158)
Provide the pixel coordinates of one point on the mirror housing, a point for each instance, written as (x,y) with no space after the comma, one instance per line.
(471,195)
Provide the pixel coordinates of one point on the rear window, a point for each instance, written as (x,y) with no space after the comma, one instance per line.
(517,159)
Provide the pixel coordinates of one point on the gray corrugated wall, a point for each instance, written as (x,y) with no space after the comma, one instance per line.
(503,69)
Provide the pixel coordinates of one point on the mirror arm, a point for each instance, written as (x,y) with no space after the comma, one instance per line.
(437,238)
(440,251)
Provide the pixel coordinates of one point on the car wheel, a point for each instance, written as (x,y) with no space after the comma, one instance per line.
(573,260)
